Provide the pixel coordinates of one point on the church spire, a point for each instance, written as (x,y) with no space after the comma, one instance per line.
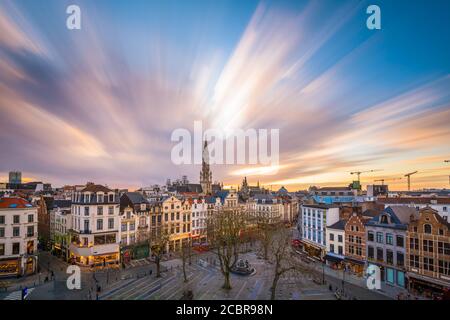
(205,173)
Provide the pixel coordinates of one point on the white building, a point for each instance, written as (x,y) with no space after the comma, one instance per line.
(199,208)
(18,237)
(335,243)
(95,226)
(315,220)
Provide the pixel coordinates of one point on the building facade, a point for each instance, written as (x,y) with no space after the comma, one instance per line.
(315,219)
(386,243)
(18,237)
(177,220)
(428,254)
(335,242)
(95,226)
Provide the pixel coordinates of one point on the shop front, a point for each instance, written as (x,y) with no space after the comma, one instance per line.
(313,250)
(334,261)
(355,266)
(10,267)
(426,286)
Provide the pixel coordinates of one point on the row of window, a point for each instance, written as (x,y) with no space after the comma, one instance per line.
(426,263)
(16,232)
(339,239)
(15,248)
(428,246)
(389,256)
(92,198)
(99,210)
(16,219)
(388,238)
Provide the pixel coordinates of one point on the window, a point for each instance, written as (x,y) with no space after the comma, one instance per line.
(370,252)
(384,219)
(332,238)
(16,248)
(2,232)
(389,257)
(332,248)
(427,228)
(444,267)
(86,225)
(428,264)
(380,237)
(400,241)
(100,210)
(428,245)
(414,261)
(339,238)
(444,248)
(380,254)
(358,251)
(2,249)
(414,244)
(86,211)
(441,232)
(172,216)
(400,259)
(340,250)
(132,226)
(124,226)
(389,239)
(110,210)
(166,217)
(16,232)
(30,231)
(2,219)
(370,236)
(111,223)
(16,219)
(100,224)
(111,198)
(30,218)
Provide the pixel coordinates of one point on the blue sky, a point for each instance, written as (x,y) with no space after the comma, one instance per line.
(344,97)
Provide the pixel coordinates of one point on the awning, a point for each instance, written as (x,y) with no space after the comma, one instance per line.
(428,280)
(333,258)
(354,261)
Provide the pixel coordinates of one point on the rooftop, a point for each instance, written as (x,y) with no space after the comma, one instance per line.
(14,203)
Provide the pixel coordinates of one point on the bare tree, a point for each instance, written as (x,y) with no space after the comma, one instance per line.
(224,234)
(267,228)
(281,257)
(186,255)
(158,243)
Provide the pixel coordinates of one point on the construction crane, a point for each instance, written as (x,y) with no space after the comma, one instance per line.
(383,180)
(409,179)
(359,172)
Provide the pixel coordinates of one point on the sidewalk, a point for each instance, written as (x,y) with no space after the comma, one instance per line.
(386,290)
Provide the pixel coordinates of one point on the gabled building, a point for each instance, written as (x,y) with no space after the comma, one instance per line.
(355,240)
(386,243)
(428,254)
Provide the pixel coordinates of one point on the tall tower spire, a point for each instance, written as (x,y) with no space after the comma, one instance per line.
(205,173)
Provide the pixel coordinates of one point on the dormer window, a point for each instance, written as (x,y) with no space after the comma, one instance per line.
(427,228)
(111,198)
(384,219)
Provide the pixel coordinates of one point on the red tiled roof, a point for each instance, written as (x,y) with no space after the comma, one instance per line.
(14,202)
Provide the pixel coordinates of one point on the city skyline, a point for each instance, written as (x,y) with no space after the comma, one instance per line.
(99,104)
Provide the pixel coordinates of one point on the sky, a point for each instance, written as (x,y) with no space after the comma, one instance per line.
(100,104)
